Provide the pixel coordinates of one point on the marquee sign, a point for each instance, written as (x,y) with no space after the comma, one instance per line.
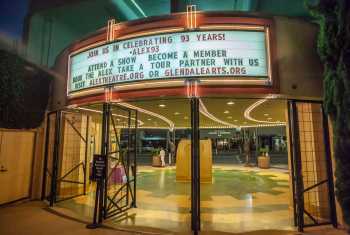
(234,54)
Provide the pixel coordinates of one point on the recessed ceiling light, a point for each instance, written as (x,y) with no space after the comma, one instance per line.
(226,111)
(162,105)
(230,103)
(176,113)
(235,120)
(149,119)
(266,114)
(118,119)
(185,117)
(269,118)
(229,117)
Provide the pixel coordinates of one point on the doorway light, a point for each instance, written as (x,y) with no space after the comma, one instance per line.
(140,123)
(203,110)
(230,103)
(247,112)
(226,111)
(162,105)
(169,122)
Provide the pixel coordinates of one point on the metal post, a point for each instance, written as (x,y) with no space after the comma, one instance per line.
(99,208)
(256,146)
(135,158)
(47,136)
(297,166)
(128,158)
(173,160)
(333,212)
(195,165)
(104,151)
(94,220)
(291,159)
(174,137)
(55,158)
(86,152)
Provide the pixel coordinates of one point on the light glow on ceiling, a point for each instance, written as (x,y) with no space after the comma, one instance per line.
(169,122)
(205,112)
(116,115)
(247,113)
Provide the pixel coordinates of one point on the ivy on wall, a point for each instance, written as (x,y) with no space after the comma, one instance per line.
(24,93)
(333,17)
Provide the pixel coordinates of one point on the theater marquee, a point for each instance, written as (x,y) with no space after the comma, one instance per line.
(235,55)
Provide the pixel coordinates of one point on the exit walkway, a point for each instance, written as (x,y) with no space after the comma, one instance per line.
(34,218)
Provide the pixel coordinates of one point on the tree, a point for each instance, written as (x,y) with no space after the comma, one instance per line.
(333,17)
(24,92)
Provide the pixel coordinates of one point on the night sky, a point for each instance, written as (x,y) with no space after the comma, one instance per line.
(12,16)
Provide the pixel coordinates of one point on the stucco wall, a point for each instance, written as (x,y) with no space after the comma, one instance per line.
(299,67)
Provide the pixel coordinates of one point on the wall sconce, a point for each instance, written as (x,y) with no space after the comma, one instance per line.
(111,26)
(191,88)
(108,94)
(191,16)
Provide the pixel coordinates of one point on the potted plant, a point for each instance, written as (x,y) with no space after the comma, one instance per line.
(156,157)
(264,159)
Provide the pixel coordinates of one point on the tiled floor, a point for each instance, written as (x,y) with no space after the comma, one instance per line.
(239,199)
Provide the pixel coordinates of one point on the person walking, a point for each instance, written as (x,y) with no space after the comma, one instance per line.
(162,156)
(246,148)
(171,152)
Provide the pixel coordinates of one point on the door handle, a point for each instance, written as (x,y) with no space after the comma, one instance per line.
(3,169)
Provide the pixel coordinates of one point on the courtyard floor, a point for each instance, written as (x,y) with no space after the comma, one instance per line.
(34,218)
(239,199)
